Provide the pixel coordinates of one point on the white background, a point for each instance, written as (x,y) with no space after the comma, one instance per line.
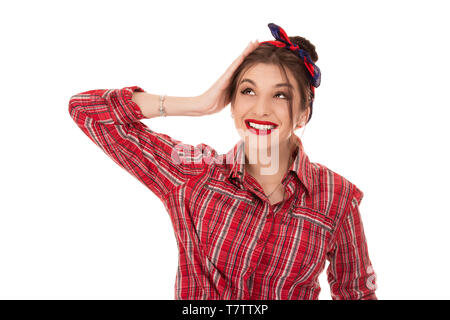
(73,225)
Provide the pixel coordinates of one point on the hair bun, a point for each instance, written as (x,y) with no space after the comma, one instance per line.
(307,46)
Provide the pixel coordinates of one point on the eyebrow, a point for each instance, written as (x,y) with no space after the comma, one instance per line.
(276,86)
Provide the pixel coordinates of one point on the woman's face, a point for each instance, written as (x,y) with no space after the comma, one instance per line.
(262,96)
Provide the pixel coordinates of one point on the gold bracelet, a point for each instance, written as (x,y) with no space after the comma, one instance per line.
(162,111)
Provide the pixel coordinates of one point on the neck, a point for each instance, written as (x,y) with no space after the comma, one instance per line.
(270,164)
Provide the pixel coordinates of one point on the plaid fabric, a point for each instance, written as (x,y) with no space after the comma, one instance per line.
(233,244)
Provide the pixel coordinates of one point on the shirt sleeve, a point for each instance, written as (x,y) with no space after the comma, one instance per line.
(350,273)
(111,120)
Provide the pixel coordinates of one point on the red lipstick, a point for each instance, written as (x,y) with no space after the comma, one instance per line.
(260,131)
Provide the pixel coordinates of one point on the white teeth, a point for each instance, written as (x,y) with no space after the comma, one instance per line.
(260,126)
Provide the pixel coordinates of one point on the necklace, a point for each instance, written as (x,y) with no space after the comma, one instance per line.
(290,162)
(274,190)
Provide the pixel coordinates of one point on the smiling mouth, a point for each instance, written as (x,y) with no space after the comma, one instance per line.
(260,127)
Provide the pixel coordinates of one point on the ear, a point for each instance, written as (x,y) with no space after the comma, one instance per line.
(299,125)
(302,121)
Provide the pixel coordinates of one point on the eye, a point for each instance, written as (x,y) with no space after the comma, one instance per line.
(284,94)
(245,90)
(278,93)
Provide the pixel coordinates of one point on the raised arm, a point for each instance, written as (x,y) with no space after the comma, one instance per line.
(111,119)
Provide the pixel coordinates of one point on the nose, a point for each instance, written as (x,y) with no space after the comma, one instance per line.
(262,108)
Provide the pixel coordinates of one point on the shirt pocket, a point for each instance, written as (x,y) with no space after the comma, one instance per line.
(309,232)
(313,216)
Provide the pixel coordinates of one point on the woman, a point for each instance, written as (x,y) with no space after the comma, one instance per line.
(257,222)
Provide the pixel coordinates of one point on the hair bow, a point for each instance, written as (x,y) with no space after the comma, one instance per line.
(282,40)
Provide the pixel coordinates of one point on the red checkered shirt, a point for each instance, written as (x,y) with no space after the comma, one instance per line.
(233,244)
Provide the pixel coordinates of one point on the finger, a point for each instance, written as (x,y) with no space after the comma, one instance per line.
(250,47)
(254,45)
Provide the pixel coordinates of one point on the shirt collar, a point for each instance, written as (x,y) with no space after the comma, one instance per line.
(301,165)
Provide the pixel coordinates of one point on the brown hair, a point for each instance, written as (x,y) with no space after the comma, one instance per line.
(283,58)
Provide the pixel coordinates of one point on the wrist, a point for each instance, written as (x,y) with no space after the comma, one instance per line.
(181,106)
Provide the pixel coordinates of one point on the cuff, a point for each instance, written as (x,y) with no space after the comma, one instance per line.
(123,108)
